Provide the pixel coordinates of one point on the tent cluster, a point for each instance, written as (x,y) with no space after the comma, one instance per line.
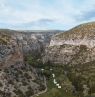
(55,82)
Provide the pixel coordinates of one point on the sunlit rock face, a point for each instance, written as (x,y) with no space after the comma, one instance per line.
(65,46)
(89,43)
(75,51)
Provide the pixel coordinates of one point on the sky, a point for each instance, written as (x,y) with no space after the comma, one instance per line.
(45,14)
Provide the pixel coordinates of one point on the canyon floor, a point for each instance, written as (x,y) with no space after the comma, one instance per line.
(29,59)
(66,90)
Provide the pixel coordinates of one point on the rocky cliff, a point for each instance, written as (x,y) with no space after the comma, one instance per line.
(75,51)
(18,78)
(10,50)
(76,45)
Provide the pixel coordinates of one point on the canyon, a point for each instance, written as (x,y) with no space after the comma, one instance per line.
(70,53)
(17,77)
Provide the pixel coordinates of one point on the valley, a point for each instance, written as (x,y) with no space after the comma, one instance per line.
(61,78)
(48,64)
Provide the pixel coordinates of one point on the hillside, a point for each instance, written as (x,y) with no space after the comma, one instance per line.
(18,52)
(16,78)
(86,29)
(82,34)
(71,42)
(28,60)
(75,51)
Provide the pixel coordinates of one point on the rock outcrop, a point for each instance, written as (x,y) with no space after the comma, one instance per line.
(75,51)
(17,78)
(74,46)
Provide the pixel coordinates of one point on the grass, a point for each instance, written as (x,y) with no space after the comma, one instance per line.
(52,90)
(79,32)
(4,39)
(76,77)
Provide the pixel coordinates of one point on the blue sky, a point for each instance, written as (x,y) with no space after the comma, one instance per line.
(45,14)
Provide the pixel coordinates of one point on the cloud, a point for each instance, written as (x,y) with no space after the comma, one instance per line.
(86,16)
(43,24)
(45,14)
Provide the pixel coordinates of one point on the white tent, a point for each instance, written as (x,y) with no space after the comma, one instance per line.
(42,69)
(59,87)
(53,75)
(54,81)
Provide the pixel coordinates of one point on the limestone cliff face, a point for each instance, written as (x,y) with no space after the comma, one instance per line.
(18,79)
(10,51)
(74,50)
(33,42)
(15,45)
(74,46)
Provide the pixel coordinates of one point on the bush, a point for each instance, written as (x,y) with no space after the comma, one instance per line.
(30,60)
(29,93)
(1,84)
(19,93)
(47,73)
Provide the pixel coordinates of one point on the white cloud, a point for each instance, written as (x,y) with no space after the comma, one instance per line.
(67,13)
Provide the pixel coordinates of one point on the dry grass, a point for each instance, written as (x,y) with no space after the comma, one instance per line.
(79,31)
